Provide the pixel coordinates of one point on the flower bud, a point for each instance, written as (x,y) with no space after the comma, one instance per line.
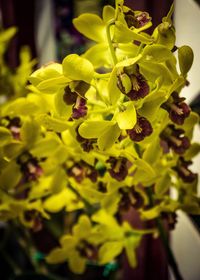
(164,27)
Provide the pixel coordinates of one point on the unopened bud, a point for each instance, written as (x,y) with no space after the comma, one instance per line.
(164,27)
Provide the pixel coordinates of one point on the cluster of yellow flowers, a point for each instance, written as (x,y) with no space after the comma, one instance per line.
(99,134)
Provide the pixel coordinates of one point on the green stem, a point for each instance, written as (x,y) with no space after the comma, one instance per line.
(112,51)
(170,255)
(164,239)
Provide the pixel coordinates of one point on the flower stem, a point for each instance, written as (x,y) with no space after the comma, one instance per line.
(170,256)
(164,239)
(112,51)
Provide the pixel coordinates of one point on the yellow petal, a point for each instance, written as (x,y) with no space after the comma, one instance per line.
(77,264)
(57,255)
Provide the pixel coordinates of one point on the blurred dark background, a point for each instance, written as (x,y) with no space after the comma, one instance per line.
(26,15)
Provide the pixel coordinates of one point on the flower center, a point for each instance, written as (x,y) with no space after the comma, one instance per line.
(185,171)
(135,83)
(176,141)
(138,129)
(175,108)
(117,166)
(76,171)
